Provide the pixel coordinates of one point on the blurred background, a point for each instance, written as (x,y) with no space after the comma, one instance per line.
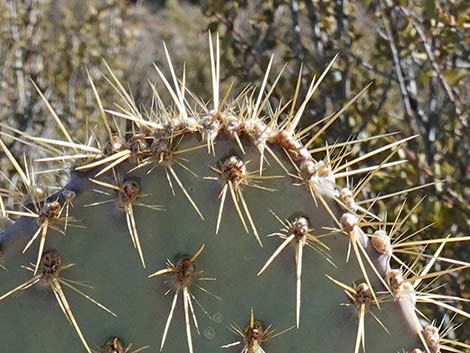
(416,54)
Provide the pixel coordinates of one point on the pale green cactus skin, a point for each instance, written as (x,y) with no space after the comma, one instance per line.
(97,241)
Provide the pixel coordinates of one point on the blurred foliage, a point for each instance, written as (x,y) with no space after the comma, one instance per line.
(52,43)
(416,53)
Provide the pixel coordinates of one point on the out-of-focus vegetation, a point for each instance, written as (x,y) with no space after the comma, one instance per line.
(416,53)
(51,43)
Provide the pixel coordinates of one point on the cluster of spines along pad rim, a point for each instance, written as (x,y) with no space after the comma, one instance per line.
(243,118)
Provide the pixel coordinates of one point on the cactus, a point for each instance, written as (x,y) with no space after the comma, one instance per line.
(224,194)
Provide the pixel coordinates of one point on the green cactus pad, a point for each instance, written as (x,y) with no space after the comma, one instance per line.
(154,198)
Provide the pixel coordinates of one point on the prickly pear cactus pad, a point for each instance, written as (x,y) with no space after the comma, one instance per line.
(212,227)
